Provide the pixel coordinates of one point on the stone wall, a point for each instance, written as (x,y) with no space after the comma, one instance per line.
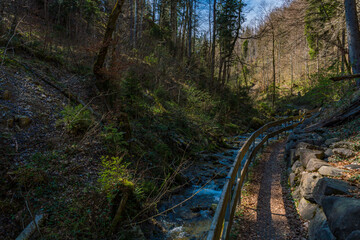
(329,205)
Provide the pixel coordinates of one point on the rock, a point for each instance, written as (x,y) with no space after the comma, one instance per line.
(293,158)
(6,95)
(329,152)
(314,164)
(307,154)
(299,170)
(331,171)
(352,166)
(296,193)
(343,144)
(319,228)
(307,210)
(330,141)
(343,152)
(327,186)
(187,214)
(307,185)
(292,179)
(23,121)
(296,165)
(136,233)
(355,235)
(342,214)
(304,145)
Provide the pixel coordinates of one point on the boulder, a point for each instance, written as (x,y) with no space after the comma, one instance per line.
(343,215)
(307,185)
(344,152)
(314,164)
(299,170)
(329,152)
(296,165)
(327,186)
(307,209)
(344,144)
(296,193)
(331,171)
(319,228)
(330,141)
(307,154)
(304,145)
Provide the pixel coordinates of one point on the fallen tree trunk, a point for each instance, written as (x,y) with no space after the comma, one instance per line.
(349,113)
(345,77)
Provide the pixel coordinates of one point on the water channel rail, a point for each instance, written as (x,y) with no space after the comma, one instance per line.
(231,194)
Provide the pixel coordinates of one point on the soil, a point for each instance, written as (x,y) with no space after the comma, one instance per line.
(267,210)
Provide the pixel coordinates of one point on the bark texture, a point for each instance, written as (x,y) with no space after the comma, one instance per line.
(352,25)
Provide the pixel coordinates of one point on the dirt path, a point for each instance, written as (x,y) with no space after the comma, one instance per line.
(267,210)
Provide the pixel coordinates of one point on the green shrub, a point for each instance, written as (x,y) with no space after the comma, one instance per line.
(114,175)
(114,140)
(76,119)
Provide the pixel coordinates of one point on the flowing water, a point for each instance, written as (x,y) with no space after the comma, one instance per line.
(192,218)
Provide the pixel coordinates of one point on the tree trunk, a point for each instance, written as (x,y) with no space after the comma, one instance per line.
(352,24)
(274,70)
(213,44)
(103,83)
(189,28)
(174,23)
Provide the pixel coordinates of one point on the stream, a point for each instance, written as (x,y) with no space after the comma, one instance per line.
(192,219)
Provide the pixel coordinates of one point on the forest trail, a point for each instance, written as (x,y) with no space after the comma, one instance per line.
(267,210)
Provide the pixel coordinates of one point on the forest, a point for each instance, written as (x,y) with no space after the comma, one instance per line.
(112,112)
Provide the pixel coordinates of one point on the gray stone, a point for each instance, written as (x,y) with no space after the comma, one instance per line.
(352,166)
(344,144)
(355,235)
(296,165)
(314,164)
(299,170)
(307,154)
(319,228)
(343,215)
(327,186)
(344,152)
(307,209)
(329,152)
(304,145)
(331,171)
(293,156)
(307,185)
(296,193)
(292,179)
(330,141)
